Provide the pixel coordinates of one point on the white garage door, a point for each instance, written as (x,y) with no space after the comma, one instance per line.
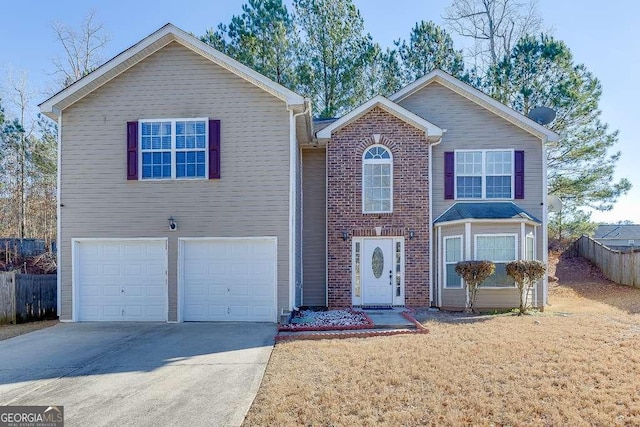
(229,279)
(121,280)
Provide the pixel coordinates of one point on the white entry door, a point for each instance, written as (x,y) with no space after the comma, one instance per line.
(377,272)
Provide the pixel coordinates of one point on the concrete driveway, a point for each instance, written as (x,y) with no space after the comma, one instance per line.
(139,374)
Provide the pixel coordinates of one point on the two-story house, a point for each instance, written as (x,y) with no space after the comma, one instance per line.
(192,188)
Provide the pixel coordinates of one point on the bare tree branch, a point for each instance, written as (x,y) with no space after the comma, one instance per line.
(81,48)
(495,25)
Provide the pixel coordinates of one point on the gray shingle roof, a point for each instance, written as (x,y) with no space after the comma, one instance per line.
(485,210)
(617,231)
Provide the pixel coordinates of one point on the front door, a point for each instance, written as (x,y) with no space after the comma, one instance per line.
(377,272)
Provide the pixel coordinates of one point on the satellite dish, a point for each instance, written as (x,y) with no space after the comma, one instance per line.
(542,115)
(554,204)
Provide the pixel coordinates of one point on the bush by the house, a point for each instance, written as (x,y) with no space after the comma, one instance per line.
(474,273)
(525,274)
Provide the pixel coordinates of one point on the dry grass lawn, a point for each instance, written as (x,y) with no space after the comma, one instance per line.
(10,331)
(576,364)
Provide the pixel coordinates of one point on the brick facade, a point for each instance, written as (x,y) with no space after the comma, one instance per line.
(409,148)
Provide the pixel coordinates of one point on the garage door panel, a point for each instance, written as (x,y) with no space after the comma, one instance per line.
(110,290)
(239,311)
(122,280)
(110,250)
(217,290)
(239,277)
(261,290)
(111,311)
(239,290)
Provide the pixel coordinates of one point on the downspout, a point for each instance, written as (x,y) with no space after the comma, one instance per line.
(293,161)
(58,211)
(431,257)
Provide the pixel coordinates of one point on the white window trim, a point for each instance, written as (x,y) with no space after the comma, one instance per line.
(515,253)
(174,150)
(378,161)
(484,174)
(532,237)
(445,263)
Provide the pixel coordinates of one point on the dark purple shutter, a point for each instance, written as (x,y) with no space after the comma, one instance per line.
(519,174)
(214,149)
(132,150)
(449,175)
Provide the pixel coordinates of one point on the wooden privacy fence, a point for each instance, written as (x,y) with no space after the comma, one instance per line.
(27,297)
(619,267)
(23,247)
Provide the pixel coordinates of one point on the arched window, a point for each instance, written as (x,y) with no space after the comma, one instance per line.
(377,180)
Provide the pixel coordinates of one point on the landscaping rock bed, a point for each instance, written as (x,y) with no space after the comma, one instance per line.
(308,320)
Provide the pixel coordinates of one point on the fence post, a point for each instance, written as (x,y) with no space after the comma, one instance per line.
(12,292)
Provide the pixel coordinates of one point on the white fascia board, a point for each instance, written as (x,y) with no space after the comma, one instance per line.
(431,131)
(292,99)
(479,98)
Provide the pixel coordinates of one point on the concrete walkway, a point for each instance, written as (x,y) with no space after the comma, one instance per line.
(389,319)
(139,374)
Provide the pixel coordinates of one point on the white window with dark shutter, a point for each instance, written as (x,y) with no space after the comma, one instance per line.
(484,175)
(173,149)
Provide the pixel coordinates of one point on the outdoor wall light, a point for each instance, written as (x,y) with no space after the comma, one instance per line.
(412,234)
(345,235)
(173,225)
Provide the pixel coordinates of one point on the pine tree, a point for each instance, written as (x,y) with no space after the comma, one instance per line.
(261,37)
(333,54)
(429,47)
(541,72)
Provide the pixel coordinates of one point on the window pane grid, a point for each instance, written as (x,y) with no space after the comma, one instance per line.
(173,149)
(377,180)
(484,174)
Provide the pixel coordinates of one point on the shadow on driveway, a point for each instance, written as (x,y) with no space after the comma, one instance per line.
(139,373)
(99,348)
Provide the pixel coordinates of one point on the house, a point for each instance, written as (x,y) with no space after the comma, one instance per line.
(620,237)
(192,188)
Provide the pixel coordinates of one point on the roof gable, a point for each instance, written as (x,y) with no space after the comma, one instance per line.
(432,132)
(146,47)
(479,98)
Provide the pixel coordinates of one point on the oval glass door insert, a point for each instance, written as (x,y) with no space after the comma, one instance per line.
(377,262)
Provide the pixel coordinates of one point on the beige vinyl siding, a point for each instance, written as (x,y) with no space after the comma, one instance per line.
(314,230)
(251,199)
(487,298)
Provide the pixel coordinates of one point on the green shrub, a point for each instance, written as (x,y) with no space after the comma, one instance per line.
(474,273)
(525,274)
